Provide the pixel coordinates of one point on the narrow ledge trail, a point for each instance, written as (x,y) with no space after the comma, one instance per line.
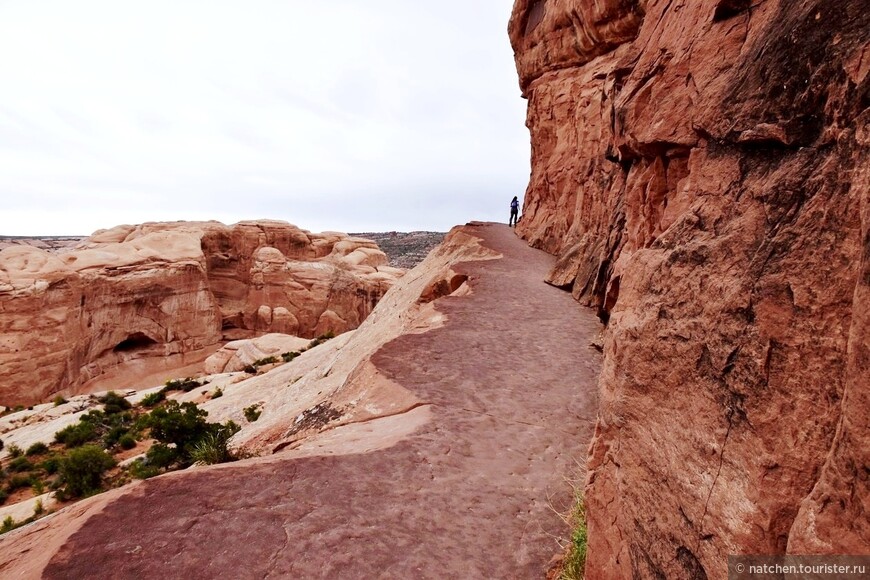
(511,380)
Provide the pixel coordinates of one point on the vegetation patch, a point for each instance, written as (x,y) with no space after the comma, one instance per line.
(253,412)
(575,559)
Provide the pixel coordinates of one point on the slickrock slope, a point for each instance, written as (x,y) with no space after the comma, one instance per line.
(444,463)
(139,300)
(701,170)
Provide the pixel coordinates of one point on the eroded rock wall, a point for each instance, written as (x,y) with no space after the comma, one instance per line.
(160,292)
(701,170)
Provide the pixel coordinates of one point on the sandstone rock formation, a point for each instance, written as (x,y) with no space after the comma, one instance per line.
(167,294)
(700,168)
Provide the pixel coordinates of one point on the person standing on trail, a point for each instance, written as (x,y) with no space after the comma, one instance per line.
(515,211)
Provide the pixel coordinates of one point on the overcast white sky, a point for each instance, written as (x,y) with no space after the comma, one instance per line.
(346,115)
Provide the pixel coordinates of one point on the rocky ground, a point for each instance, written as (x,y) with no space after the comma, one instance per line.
(405,249)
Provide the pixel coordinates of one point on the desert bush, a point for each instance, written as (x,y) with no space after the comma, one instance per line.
(59,400)
(114,403)
(186,385)
(15,451)
(153,399)
(161,456)
(3,496)
(252,413)
(143,470)
(18,481)
(217,394)
(8,525)
(212,448)
(19,464)
(38,448)
(289,356)
(38,508)
(181,424)
(82,470)
(77,434)
(127,441)
(250,369)
(50,465)
(265,361)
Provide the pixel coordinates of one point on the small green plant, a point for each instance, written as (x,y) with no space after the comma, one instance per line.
(153,399)
(265,361)
(82,470)
(38,508)
(59,400)
(289,356)
(142,470)
(19,464)
(218,393)
(114,403)
(15,451)
(575,561)
(38,486)
(19,481)
(38,448)
(212,448)
(253,412)
(8,525)
(186,385)
(127,442)
(77,434)
(50,465)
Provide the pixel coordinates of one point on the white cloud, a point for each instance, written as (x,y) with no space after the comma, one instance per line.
(332,115)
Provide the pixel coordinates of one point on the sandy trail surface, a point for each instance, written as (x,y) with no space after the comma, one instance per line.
(510,381)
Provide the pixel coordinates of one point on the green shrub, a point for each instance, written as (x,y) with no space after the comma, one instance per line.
(50,465)
(38,448)
(114,403)
(59,400)
(185,385)
(127,441)
(250,369)
(15,450)
(153,399)
(142,470)
(3,496)
(82,470)
(181,424)
(212,448)
(114,436)
(38,486)
(77,434)
(252,413)
(19,481)
(8,525)
(38,508)
(265,361)
(289,356)
(19,464)
(162,456)
(217,394)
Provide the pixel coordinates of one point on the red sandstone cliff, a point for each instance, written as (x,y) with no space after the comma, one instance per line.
(135,300)
(702,170)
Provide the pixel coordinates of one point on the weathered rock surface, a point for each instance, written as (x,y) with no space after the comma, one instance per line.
(132,297)
(700,169)
(440,444)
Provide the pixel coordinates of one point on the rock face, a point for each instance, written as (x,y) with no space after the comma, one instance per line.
(161,290)
(701,170)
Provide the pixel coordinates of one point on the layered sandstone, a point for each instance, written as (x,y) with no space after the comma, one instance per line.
(700,168)
(138,300)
